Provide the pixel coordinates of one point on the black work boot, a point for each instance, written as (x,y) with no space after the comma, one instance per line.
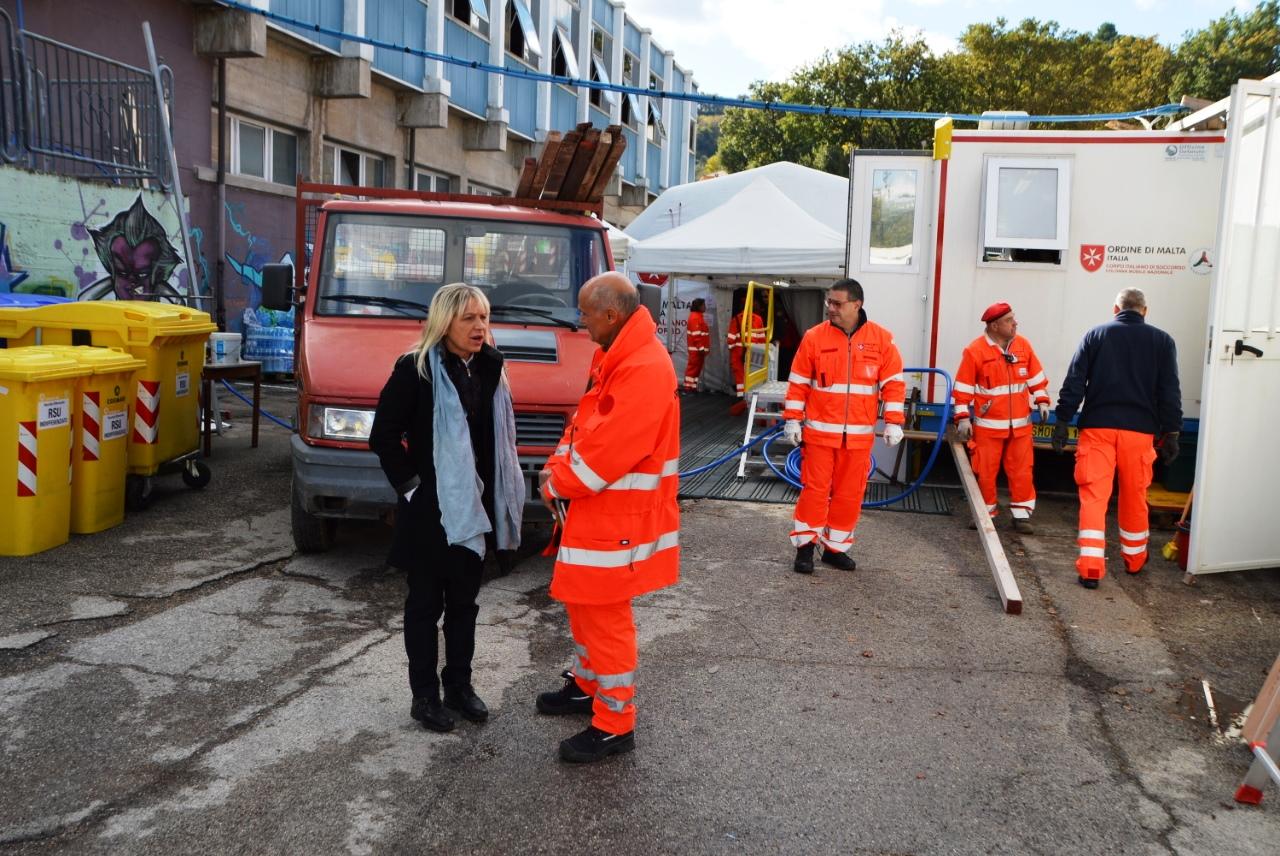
(464,700)
(839,561)
(1022,525)
(432,715)
(595,745)
(568,699)
(804,559)
(1088,583)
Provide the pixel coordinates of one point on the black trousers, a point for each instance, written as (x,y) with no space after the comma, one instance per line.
(445,582)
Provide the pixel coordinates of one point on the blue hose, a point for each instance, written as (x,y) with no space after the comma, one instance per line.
(791,472)
(238,395)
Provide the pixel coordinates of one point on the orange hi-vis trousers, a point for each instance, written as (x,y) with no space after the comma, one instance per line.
(693,369)
(831,500)
(986,453)
(605,666)
(1101,454)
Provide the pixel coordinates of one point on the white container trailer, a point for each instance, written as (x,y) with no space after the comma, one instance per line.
(1052,222)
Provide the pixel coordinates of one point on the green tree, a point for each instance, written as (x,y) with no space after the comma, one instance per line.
(1209,61)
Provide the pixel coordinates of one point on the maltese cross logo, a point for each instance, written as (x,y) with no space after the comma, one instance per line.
(1092,256)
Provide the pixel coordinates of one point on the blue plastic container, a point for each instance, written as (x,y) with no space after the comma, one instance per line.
(26,301)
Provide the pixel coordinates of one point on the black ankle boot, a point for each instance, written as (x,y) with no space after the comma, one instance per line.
(464,700)
(804,559)
(595,745)
(840,561)
(432,715)
(568,699)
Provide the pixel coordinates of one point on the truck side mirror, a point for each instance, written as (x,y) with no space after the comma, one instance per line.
(651,299)
(277,286)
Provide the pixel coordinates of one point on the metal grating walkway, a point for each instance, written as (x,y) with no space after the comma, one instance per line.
(707,431)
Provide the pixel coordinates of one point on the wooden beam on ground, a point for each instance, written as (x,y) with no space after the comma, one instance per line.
(524,187)
(564,156)
(578,168)
(619,145)
(593,168)
(996,560)
(1266,708)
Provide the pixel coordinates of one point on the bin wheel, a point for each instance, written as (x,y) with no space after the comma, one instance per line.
(311,533)
(196,474)
(137,492)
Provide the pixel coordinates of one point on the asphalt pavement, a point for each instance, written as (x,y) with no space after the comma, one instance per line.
(185,682)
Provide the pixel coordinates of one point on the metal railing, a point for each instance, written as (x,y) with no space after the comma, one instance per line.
(69,111)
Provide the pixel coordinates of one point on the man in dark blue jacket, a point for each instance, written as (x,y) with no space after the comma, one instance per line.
(1126,373)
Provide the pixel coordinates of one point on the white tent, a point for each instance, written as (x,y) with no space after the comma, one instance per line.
(619,244)
(759,232)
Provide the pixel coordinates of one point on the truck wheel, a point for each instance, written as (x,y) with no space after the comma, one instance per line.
(196,474)
(311,534)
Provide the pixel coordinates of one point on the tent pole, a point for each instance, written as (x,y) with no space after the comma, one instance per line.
(671,313)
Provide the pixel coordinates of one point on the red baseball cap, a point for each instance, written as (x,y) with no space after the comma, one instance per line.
(995,311)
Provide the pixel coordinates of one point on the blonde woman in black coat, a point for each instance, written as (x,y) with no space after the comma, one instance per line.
(444,432)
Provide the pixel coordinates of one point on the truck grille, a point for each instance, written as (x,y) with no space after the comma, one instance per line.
(539,429)
(526,346)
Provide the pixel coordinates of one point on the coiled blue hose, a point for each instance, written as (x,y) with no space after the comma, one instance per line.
(791,471)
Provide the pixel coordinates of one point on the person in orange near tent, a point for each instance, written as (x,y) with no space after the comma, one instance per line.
(843,369)
(698,341)
(737,352)
(1126,372)
(999,374)
(617,466)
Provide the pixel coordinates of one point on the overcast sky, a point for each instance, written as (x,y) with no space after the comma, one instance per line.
(730,43)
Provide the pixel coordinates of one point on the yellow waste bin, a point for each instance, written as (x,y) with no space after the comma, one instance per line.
(103,410)
(168,338)
(36,400)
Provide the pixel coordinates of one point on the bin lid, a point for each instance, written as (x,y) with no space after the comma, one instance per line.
(36,363)
(137,320)
(98,360)
(21,300)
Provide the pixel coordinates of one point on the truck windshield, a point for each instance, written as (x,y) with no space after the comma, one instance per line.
(391,265)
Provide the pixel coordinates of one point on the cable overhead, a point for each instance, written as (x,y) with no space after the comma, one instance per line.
(698,97)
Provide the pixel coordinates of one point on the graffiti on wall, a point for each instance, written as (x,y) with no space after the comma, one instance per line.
(10,275)
(134,248)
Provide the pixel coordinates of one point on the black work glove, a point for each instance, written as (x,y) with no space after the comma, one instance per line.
(1169,447)
(1060,430)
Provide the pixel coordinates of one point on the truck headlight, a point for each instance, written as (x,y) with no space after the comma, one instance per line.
(338,423)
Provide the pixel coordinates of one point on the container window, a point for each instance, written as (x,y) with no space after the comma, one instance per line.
(891,224)
(1026,215)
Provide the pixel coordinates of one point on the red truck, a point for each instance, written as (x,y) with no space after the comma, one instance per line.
(376,258)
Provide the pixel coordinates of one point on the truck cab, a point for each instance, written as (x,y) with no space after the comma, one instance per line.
(374,265)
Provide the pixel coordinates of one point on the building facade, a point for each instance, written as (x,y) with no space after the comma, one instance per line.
(256,102)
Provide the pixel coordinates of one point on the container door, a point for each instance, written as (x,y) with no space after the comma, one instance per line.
(889,251)
(1237,482)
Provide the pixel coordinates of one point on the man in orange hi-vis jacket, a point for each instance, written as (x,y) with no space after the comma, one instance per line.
(842,370)
(698,340)
(617,467)
(998,376)
(737,345)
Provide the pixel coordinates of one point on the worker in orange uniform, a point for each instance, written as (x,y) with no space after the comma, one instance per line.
(617,468)
(999,375)
(698,341)
(842,370)
(1126,372)
(737,352)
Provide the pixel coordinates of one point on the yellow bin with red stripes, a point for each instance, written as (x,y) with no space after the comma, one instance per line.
(37,389)
(102,413)
(167,337)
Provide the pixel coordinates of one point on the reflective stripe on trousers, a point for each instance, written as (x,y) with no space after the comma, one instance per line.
(1102,454)
(830,502)
(605,639)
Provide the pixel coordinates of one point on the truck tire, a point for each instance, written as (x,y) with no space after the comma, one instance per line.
(311,533)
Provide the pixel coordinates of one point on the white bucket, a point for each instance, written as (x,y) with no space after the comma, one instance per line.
(224,348)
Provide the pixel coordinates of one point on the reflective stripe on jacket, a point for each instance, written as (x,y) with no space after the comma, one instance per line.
(837,381)
(699,338)
(619,471)
(994,392)
(734,337)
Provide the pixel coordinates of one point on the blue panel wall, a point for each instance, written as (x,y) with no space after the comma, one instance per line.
(630,154)
(564,109)
(654,168)
(657,62)
(326,13)
(599,118)
(521,97)
(602,14)
(470,85)
(401,22)
(631,38)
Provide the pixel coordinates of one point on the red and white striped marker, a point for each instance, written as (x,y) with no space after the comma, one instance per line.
(147,413)
(90,425)
(27,459)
